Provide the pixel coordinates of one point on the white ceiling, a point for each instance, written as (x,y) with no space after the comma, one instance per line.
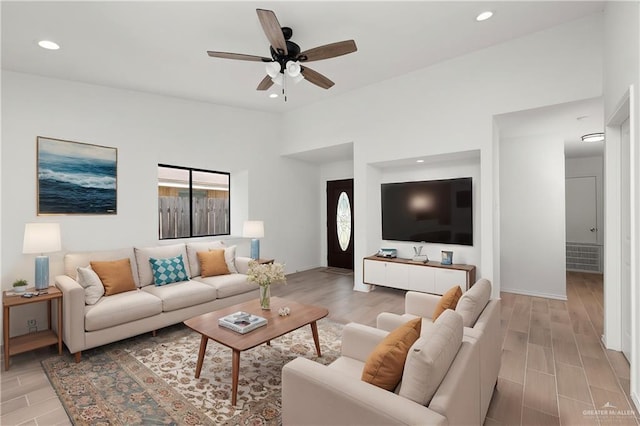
(159,47)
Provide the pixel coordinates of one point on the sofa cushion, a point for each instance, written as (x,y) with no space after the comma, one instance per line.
(158,252)
(194,248)
(115,275)
(383,367)
(449,300)
(74,260)
(182,294)
(90,281)
(229,285)
(121,308)
(169,270)
(212,263)
(429,358)
(473,301)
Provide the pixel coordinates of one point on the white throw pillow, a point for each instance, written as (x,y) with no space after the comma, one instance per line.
(230,259)
(93,288)
(473,301)
(430,357)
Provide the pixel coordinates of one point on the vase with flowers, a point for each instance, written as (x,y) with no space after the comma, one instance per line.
(265,274)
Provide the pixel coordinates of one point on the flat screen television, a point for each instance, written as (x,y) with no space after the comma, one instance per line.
(432,211)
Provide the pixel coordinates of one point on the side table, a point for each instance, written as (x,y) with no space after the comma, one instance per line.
(27,342)
(265,261)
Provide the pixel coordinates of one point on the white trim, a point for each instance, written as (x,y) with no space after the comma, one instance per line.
(534,294)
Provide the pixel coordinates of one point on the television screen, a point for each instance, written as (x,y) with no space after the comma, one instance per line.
(434,211)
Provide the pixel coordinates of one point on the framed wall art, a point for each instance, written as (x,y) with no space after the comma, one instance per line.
(76,178)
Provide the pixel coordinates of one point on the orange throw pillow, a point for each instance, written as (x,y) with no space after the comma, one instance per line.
(212,263)
(385,364)
(449,300)
(115,275)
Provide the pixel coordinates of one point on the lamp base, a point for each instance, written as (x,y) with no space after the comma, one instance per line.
(255,249)
(42,272)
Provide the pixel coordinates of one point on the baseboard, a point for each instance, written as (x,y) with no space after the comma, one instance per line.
(534,293)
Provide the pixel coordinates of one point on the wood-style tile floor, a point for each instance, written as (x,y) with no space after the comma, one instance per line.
(554,368)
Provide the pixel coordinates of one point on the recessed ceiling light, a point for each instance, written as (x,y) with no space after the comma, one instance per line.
(419,161)
(484,16)
(50,45)
(273,95)
(593,137)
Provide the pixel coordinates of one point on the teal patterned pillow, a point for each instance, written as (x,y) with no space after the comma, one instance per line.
(167,271)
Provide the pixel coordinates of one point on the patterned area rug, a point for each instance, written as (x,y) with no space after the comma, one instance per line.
(150,380)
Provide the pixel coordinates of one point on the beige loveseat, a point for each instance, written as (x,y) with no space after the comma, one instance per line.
(148,307)
(481,318)
(439,387)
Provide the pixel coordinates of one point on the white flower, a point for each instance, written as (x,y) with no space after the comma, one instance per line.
(266,274)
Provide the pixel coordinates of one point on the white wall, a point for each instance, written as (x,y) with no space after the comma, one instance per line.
(621,71)
(449,107)
(148,130)
(586,167)
(532,206)
(336,170)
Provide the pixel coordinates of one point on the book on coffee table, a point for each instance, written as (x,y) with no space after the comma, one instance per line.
(242,322)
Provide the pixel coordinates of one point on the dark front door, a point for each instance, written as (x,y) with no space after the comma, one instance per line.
(340,223)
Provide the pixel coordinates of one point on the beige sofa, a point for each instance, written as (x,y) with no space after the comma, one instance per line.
(315,394)
(481,318)
(149,307)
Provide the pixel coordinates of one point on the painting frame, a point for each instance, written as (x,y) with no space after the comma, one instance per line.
(75,178)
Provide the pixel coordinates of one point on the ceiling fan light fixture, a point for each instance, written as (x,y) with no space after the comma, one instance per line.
(273,69)
(293,69)
(593,137)
(297,79)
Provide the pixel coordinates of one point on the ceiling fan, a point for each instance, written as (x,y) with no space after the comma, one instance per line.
(286,56)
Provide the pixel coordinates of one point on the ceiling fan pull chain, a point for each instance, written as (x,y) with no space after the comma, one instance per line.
(284,86)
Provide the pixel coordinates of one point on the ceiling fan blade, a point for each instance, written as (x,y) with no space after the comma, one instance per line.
(328,51)
(238,56)
(272,30)
(316,78)
(265,83)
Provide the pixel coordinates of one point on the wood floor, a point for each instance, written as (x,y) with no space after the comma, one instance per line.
(554,368)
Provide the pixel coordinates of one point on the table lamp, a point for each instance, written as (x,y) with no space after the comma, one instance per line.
(41,238)
(254,229)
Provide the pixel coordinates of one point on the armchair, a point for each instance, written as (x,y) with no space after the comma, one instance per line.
(315,394)
(481,318)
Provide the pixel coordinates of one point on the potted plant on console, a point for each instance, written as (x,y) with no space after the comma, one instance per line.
(20,286)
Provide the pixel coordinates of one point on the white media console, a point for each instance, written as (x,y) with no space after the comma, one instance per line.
(430,277)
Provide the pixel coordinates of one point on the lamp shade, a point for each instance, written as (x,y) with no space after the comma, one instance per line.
(41,238)
(273,69)
(253,229)
(293,68)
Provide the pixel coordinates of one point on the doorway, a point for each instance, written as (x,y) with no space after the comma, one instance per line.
(340,224)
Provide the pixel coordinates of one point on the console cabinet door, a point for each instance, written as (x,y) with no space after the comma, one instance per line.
(422,278)
(447,278)
(398,275)
(375,272)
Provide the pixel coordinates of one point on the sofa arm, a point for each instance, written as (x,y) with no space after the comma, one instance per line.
(72,313)
(420,304)
(242,264)
(389,321)
(358,340)
(314,394)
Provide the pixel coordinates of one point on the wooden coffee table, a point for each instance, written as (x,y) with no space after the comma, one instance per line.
(207,326)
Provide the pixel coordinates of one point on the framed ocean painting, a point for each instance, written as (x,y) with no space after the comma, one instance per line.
(76,178)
